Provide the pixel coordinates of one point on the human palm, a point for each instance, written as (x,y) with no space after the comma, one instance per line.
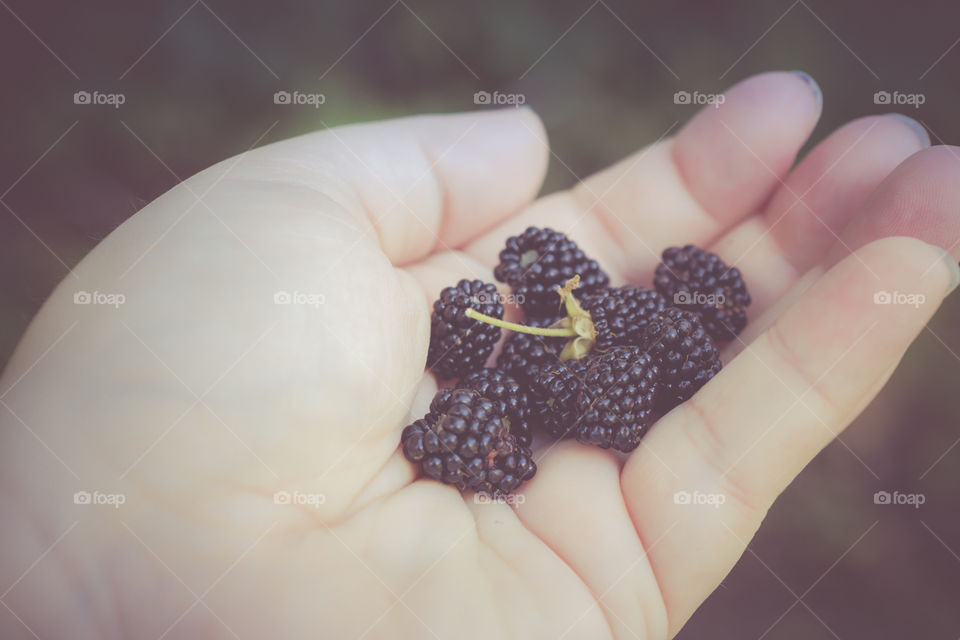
(246,398)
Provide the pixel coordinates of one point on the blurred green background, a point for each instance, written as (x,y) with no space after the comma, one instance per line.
(199,79)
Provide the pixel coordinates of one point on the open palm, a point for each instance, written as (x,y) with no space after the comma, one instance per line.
(244,388)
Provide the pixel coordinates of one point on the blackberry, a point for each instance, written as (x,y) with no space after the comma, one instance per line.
(494,384)
(617,399)
(684,352)
(554,396)
(538,261)
(620,315)
(699,281)
(523,354)
(460,345)
(465,441)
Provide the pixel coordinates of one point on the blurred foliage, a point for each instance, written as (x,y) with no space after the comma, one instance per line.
(602,75)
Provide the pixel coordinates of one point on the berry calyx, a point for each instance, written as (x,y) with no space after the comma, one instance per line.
(577,324)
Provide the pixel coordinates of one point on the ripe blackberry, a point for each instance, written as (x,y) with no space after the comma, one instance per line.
(554,396)
(699,281)
(494,384)
(523,354)
(538,261)
(460,345)
(620,315)
(684,352)
(618,395)
(465,441)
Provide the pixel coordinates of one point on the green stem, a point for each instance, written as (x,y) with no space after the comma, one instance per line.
(520,328)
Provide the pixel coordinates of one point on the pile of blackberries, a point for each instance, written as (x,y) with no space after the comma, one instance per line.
(591,362)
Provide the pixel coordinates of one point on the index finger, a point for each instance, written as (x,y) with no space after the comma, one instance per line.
(718,169)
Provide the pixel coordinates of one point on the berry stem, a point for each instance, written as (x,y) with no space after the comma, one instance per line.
(520,328)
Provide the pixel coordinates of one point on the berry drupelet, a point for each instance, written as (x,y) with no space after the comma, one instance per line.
(465,441)
(538,261)
(684,352)
(699,281)
(621,314)
(460,345)
(618,395)
(494,384)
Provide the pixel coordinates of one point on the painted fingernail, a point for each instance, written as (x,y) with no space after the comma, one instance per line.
(814,87)
(952,267)
(917,128)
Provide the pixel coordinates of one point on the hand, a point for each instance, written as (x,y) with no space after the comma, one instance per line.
(271,337)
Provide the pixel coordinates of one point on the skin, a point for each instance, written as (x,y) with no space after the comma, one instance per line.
(199,398)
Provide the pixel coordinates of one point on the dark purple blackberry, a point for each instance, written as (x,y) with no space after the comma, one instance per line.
(699,281)
(617,398)
(684,352)
(554,396)
(620,315)
(494,384)
(460,345)
(523,354)
(465,441)
(538,261)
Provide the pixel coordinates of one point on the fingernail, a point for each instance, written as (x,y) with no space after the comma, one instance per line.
(952,267)
(917,128)
(814,87)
